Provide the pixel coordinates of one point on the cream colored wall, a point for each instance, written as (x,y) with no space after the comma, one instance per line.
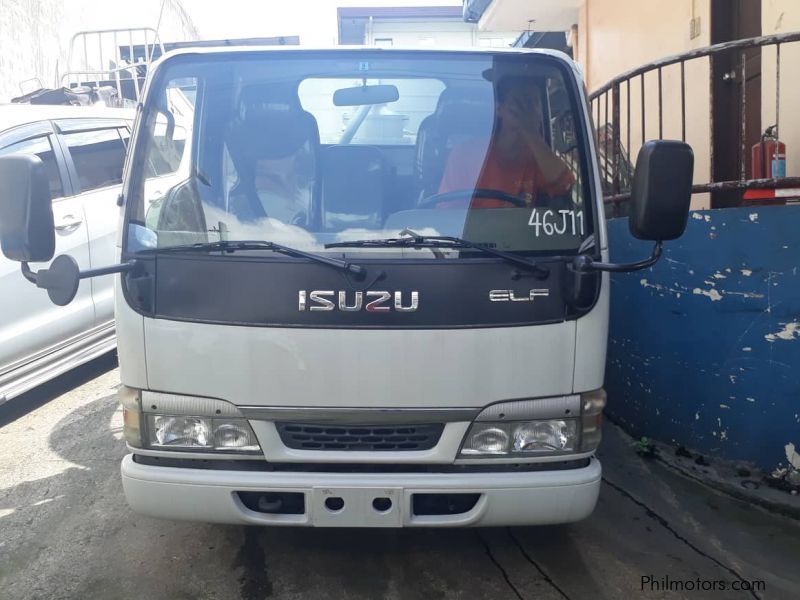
(618,35)
(782,16)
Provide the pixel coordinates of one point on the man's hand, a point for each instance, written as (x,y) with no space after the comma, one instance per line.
(526,119)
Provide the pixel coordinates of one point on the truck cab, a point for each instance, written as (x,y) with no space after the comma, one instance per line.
(363,287)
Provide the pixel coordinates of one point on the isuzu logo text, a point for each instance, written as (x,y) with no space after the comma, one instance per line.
(381,302)
(513,296)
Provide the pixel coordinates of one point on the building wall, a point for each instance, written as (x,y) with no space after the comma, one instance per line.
(703,347)
(782,16)
(29,49)
(35,35)
(411,33)
(615,36)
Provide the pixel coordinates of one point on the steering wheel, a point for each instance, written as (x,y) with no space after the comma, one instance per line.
(469,194)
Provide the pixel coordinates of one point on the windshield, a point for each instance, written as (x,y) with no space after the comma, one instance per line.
(313,148)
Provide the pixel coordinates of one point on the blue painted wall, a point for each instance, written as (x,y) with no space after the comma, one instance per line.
(704,348)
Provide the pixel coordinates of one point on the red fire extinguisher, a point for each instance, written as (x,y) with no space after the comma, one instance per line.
(769,156)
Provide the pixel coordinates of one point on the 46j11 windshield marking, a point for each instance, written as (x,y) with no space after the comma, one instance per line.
(547,222)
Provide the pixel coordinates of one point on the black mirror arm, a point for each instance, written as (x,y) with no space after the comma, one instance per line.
(27,273)
(110,270)
(33,276)
(584,262)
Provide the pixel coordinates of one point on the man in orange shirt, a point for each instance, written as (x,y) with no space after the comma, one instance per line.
(516,160)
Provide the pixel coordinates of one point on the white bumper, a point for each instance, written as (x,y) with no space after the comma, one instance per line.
(506,498)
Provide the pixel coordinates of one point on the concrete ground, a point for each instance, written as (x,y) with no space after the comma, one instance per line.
(66,532)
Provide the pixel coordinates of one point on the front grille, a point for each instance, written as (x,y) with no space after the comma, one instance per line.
(300,436)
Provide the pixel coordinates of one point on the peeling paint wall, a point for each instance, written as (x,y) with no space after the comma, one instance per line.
(35,34)
(704,348)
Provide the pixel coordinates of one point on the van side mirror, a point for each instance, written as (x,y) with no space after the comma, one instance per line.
(27,233)
(661,191)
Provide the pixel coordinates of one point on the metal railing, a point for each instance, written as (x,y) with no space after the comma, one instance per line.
(607,110)
(96,57)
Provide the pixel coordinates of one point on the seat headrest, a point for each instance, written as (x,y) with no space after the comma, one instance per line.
(271,123)
(272,136)
(267,98)
(466,111)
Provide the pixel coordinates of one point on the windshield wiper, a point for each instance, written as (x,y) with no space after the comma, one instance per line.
(442,241)
(244,245)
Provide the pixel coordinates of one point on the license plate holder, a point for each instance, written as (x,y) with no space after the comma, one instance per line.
(357,507)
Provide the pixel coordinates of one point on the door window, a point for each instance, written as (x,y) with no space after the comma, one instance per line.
(98,157)
(125,134)
(41,147)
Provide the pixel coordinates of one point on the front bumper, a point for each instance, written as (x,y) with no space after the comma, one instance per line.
(506,498)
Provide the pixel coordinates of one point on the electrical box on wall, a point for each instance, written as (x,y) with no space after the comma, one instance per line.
(694,28)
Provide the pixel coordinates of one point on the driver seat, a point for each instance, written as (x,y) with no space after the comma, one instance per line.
(273,128)
(461,114)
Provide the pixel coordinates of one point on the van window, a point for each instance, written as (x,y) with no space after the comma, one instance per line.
(41,147)
(98,157)
(125,134)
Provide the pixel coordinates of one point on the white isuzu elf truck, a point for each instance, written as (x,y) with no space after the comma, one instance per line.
(360,287)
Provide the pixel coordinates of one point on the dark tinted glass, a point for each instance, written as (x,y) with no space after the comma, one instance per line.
(98,157)
(42,148)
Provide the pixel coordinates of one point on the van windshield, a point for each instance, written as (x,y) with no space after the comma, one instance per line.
(309,149)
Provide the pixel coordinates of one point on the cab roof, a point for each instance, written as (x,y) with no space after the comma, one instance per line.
(231,48)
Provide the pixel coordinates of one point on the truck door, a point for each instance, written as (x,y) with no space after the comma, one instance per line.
(31,326)
(95,154)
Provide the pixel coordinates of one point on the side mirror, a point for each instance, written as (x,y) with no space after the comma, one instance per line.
(661,194)
(27,233)
(26,215)
(662,190)
(563,131)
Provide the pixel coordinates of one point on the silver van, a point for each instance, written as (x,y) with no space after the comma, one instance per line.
(83,151)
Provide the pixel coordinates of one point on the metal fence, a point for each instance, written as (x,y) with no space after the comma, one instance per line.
(108,57)
(611,110)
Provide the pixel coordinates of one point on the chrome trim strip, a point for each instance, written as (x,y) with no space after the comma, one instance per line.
(14,383)
(560,407)
(178,404)
(88,336)
(358,416)
(192,454)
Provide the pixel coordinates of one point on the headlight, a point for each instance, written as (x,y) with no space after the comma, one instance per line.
(537,427)
(558,436)
(200,433)
(521,438)
(487,440)
(175,422)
